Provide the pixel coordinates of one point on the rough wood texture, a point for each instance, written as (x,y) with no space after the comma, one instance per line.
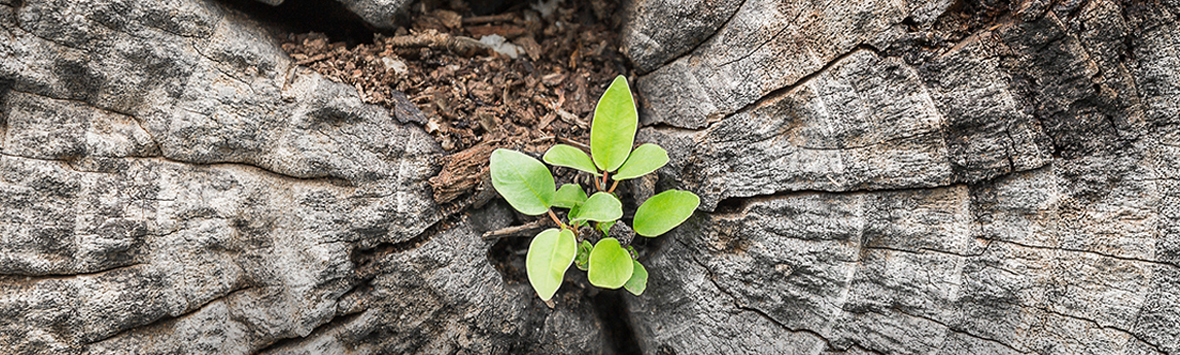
(986,178)
(382,14)
(170,182)
(893,177)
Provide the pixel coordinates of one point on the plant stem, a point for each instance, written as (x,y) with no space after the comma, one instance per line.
(559,223)
(613,185)
(604,174)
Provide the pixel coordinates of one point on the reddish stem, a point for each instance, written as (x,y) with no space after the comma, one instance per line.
(558,220)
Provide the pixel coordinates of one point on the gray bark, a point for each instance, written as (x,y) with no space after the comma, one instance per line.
(874,185)
(382,14)
(170,182)
(974,177)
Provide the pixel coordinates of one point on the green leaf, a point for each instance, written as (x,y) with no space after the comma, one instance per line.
(582,260)
(638,281)
(645,159)
(604,227)
(569,196)
(574,212)
(570,157)
(613,129)
(610,265)
(523,181)
(550,254)
(664,211)
(600,207)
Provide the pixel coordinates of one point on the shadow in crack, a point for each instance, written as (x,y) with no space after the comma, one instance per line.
(611,307)
(507,256)
(302,16)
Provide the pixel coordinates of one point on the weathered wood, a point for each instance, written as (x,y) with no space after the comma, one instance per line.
(910,178)
(981,177)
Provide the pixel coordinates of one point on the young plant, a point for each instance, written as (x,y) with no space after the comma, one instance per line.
(528,186)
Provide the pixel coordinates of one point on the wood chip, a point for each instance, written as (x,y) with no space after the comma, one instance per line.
(479,20)
(313,59)
(465,46)
(448,18)
(530,47)
(507,31)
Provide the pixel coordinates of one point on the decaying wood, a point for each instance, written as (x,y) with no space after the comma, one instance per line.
(461,173)
(459,44)
(479,20)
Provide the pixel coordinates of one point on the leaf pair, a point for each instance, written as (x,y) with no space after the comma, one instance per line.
(528,186)
(611,135)
(645,159)
(611,266)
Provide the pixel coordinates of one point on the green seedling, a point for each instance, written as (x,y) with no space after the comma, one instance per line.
(529,187)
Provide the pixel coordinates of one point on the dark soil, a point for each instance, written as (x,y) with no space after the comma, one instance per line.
(471,99)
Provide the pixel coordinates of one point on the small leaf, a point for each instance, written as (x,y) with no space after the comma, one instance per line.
(550,254)
(638,281)
(570,157)
(582,260)
(610,265)
(569,196)
(645,159)
(613,131)
(664,211)
(523,181)
(600,207)
(574,212)
(604,227)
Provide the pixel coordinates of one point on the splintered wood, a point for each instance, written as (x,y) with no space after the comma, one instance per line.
(461,173)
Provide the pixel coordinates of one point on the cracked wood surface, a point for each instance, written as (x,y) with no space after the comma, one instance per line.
(877,177)
(170,182)
(1008,191)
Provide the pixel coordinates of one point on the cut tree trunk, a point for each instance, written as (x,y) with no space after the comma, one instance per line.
(915,177)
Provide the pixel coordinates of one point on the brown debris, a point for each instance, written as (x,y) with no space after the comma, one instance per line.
(469,98)
(479,20)
(461,172)
(508,31)
(458,44)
